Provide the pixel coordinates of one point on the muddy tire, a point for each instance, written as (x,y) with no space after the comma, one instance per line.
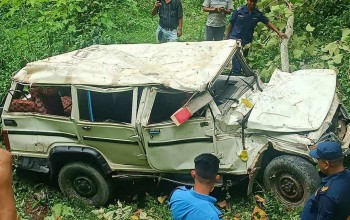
(86,183)
(292,179)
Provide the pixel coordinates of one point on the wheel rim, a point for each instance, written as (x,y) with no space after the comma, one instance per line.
(289,187)
(84,186)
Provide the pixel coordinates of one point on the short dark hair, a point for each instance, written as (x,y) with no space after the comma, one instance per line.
(207,166)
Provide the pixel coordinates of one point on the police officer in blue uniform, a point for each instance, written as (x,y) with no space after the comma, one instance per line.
(332,198)
(242,24)
(195,203)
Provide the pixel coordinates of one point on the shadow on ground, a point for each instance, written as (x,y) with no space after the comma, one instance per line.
(134,191)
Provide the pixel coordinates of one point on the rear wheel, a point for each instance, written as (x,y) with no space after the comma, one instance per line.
(292,179)
(86,183)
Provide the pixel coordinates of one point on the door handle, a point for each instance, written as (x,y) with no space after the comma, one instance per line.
(10,122)
(154,131)
(204,124)
(86,128)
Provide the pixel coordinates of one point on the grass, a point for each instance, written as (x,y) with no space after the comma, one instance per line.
(38,198)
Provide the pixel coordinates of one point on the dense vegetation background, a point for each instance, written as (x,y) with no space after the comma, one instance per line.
(35,29)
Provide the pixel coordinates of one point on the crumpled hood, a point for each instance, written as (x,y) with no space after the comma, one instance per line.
(294,102)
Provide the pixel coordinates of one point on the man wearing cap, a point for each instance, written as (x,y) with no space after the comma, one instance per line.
(195,203)
(332,198)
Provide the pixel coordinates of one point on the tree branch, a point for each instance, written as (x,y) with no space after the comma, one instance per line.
(284,43)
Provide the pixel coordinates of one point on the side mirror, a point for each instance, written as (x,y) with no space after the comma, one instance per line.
(231,122)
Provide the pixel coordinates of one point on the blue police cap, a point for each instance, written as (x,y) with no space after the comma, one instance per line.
(327,150)
(206,165)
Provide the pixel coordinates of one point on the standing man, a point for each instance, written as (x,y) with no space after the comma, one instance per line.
(332,198)
(216,21)
(196,204)
(7,202)
(242,24)
(170,20)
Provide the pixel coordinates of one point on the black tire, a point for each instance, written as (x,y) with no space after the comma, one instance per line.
(86,183)
(292,179)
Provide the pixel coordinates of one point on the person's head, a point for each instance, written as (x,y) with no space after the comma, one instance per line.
(206,169)
(329,157)
(251,4)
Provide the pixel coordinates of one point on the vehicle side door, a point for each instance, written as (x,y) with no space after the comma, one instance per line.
(34,118)
(106,122)
(170,147)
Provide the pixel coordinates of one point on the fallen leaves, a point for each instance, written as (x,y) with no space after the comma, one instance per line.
(222,204)
(161,199)
(260,199)
(139,215)
(257,214)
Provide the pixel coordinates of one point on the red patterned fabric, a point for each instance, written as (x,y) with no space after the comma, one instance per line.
(47,100)
(40,107)
(19,105)
(35,93)
(67,105)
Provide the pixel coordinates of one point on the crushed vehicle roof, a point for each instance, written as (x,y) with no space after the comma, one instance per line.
(185,66)
(294,102)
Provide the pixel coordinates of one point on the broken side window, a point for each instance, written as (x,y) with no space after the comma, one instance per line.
(111,107)
(166,104)
(48,100)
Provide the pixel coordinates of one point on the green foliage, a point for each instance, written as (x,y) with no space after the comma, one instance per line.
(119,211)
(60,211)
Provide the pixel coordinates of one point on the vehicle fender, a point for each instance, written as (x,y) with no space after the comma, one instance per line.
(255,167)
(61,155)
(269,151)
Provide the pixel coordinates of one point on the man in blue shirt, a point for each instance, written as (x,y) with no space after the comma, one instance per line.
(196,204)
(332,198)
(170,20)
(242,24)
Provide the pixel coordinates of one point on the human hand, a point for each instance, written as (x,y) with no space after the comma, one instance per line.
(282,35)
(222,9)
(157,4)
(179,32)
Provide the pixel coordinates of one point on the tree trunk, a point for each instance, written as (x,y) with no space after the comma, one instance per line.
(284,44)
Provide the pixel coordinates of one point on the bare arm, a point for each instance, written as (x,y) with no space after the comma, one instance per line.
(179,28)
(272,27)
(7,202)
(207,9)
(217,10)
(155,7)
(228,30)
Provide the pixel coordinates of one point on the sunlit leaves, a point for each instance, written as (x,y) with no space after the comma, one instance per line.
(338,58)
(332,48)
(310,49)
(297,53)
(60,211)
(309,28)
(345,34)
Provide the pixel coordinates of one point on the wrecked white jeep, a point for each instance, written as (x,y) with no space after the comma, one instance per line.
(131,111)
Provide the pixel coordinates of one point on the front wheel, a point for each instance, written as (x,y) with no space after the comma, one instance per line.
(85,183)
(292,179)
